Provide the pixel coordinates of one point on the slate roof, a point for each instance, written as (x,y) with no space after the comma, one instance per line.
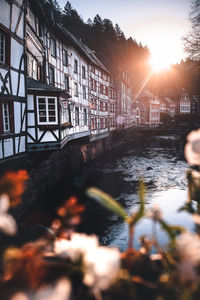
(34,85)
(82,47)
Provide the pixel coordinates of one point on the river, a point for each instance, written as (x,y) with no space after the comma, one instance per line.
(160,162)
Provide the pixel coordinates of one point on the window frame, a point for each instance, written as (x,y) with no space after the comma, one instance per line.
(10,117)
(84,92)
(52,68)
(53,47)
(75,89)
(47,122)
(65,58)
(6,50)
(75,66)
(66,81)
(83,72)
(85,117)
(77,121)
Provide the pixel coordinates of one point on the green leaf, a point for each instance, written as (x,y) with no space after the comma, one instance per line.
(167,229)
(171,230)
(140,213)
(107,201)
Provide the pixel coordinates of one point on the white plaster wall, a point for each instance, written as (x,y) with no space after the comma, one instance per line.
(31,119)
(22,144)
(22,86)
(16,53)
(17,114)
(32,133)
(24,122)
(5,13)
(14,79)
(30,102)
(8,147)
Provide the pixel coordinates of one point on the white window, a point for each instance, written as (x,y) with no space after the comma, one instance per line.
(53,47)
(47,110)
(75,66)
(76,116)
(76,89)
(6,117)
(66,83)
(84,92)
(85,116)
(51,75)
(65,57)
(83,72)
(2,47)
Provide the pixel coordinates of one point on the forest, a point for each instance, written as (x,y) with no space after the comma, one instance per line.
(117,52)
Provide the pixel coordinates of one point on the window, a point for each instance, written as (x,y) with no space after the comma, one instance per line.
(76,116)
(106,91)
(66,83)
(75,89)
(4,48)
(85,116)
(101,88)
(75,66)
(6,117)
(51,75)
(65,57)
(47,110)
(83,72)
(84,92)
(53,47)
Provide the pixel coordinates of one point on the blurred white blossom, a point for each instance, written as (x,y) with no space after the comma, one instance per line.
(76,247)
(154,212)
(7,222)
(188,247)
(192,148)
(61,291)
(102,267)
(101,264)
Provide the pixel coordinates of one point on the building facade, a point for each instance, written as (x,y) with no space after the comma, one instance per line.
(12,79)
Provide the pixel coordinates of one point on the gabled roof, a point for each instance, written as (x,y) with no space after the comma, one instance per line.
(38,86)
(88,53)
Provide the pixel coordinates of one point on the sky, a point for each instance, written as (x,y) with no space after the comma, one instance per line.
(159,24)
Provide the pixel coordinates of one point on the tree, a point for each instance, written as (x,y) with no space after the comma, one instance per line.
(192,40)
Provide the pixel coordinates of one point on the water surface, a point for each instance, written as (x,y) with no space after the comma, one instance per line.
(161,164)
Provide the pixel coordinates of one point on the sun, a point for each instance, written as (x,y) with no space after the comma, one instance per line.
(160,60)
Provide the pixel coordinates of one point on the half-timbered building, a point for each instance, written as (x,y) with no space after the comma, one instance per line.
(58,104)
(99,98)
(12,79)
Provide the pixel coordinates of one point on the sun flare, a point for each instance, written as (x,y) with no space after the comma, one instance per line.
(163,52)
(160,63)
